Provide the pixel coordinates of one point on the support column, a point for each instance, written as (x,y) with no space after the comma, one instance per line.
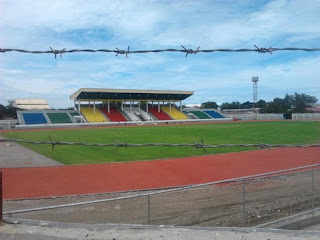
(121,106)
(147,107)
(180,106)
(130,106)
(139,107)
(94,106)
(79,106)
(158,106)
(170,105)
(108,106)
(89,103)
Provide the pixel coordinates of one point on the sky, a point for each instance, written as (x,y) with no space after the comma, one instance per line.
(146,24)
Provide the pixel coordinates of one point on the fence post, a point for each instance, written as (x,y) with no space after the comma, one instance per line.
(149,213)
(1,200)
(313,191)
(243,203)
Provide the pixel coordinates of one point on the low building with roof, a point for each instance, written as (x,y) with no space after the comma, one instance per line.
(31,104)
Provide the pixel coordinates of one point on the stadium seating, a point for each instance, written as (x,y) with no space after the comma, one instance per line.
(92,116)
(159,115)
(59,118)
(200,114)
(34,118)
(114,115)
(175,113)
(214,114)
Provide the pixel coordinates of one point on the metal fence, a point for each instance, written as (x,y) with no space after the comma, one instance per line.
(246,201)
(305,116)
(253,116)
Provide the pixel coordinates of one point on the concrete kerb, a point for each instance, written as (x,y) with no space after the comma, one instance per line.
(101,227)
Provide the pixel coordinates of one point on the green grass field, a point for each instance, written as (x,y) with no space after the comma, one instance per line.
(219,133)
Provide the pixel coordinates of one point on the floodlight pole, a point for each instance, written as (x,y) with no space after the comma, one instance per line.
(255,95)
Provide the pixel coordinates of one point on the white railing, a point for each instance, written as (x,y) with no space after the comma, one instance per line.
(252,116)
(305,116)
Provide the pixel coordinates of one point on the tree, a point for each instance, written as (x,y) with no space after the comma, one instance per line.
(233,105)
(247,105)
(209,105)
(302,102)
(7,112)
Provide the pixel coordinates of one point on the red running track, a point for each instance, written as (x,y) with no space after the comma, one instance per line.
(112,177)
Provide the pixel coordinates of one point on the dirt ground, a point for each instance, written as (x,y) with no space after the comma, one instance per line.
(14,155)
(266,200)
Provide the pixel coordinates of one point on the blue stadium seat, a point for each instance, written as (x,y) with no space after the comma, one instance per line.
(214,114)
(34,118)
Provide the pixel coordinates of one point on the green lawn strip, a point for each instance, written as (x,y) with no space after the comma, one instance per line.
(284,132)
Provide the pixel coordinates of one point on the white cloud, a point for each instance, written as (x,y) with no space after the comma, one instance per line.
(36,24)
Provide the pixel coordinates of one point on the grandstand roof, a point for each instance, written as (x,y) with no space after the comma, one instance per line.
(129,94)
(31,104)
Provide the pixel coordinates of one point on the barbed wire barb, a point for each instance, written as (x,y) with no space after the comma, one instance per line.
(52,143)
(199,145)
(119,145)
(190,51)
(55,52)
(264,50)
(123,52)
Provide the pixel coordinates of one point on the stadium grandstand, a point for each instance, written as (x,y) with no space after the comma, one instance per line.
(98,106)
(123,105)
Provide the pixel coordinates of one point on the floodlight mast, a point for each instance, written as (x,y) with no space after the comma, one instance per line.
(255,95)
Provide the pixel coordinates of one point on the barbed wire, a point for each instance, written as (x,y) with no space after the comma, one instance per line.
(118,51)
(195,145)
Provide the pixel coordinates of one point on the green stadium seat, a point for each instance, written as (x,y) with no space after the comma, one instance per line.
(59,118)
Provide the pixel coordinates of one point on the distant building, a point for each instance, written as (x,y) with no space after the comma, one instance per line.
(28,104)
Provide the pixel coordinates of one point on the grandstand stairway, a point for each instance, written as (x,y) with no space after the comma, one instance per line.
(137,114)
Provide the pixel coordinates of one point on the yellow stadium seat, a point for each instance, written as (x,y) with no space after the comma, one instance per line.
(175,113)
(92,117)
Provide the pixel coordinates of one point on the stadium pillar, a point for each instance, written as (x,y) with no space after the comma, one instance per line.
(121,106)
(94,106)
(170,105)
(108,106)
(79,105)
(147,106)
(139,106)
(180,106)
(130,106)
(158,106)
